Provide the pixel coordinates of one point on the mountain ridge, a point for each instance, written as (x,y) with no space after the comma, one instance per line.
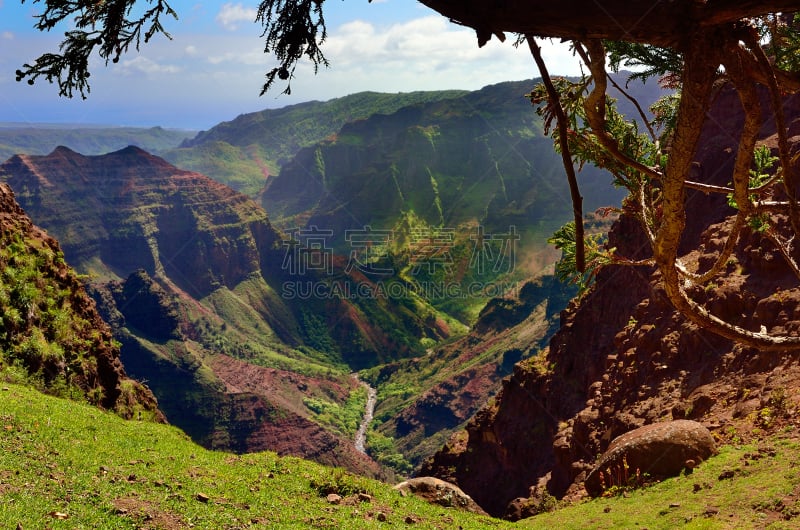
(255,145)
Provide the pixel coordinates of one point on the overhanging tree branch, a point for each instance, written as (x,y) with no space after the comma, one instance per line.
(116,36)
(566,156)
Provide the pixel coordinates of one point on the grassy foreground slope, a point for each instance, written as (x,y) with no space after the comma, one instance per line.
(64,465)
(69,465)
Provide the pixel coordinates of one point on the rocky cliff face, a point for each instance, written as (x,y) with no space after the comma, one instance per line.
(624,358)
(49,325)
(130,209)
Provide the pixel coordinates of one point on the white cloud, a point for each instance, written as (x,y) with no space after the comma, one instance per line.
(221,73)
(430,53)
(147,66)
(248,57)
(231,14)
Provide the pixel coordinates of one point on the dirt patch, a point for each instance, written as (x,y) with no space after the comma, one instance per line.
(147,515)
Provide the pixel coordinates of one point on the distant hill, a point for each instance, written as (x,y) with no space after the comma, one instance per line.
(245,151)
(40,139)
(478,157)
(472,168)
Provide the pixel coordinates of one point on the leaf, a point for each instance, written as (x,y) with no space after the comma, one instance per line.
(58,515)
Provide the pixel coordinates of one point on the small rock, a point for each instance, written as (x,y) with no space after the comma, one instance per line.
(410,519)
(696,487)
(202,497)
(607,509)
(727,474)
(381,517)
(675,505)
(334,498)
(711,511)
(363,497)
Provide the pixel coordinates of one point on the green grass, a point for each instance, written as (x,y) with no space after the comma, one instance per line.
(68,465)
(59,457)
(764,492)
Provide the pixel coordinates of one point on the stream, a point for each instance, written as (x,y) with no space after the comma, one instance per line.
(361,433)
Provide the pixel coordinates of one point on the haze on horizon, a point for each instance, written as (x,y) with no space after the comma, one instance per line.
(213,68)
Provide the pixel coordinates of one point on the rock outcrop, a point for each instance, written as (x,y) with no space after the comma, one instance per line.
(656,451)
(50,326)
(437,491)
(624,358)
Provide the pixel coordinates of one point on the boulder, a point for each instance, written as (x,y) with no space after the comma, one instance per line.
(658,450)
(437,491)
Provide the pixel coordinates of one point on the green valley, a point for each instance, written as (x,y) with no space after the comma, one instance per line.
(393,220)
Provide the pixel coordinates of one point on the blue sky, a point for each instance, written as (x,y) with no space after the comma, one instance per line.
(214,67)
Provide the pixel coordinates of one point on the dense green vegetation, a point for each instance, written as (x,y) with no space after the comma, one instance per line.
(45,340)
(344,418)
(243,152)
(36,326)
